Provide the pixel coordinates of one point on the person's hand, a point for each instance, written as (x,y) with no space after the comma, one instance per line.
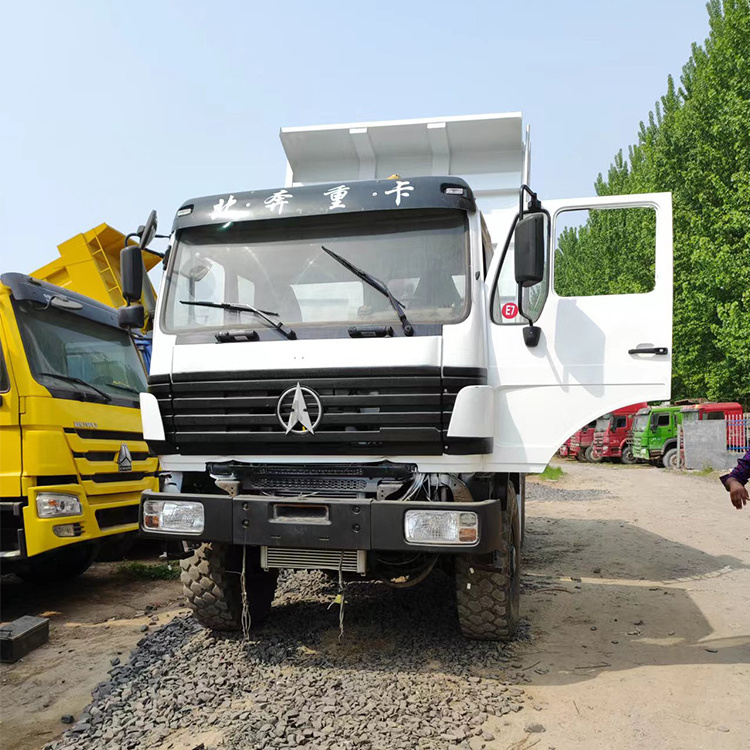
(737,494)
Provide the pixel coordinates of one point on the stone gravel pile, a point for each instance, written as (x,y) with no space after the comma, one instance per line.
(401,676)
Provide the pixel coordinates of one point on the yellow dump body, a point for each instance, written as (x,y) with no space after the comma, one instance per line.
(89,264)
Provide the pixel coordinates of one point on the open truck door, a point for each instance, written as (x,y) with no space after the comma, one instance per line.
(594,353)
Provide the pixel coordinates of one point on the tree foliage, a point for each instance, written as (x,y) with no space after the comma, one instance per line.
(696,144)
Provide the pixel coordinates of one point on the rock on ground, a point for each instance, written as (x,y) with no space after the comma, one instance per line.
(401,676)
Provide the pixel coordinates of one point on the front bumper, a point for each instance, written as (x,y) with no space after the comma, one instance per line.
(323,523)
(25,534)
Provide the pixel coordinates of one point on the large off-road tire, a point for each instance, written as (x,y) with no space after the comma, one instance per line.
(522,492)
(488,601)
(627,456)
(581,455)
(58,566)
(669,459)
(211,582)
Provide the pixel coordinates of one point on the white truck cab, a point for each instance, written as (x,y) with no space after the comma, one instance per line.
(355,371)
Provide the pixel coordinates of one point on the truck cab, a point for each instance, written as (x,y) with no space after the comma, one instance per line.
(74,462)
(581,441)
(355,371)
(654,436)
(612,435)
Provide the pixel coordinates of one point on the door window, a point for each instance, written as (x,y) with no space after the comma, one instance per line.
(4,379)
(605,251)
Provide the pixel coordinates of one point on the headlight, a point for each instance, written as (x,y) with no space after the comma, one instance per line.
(441,527)
(181,516)
(54,504)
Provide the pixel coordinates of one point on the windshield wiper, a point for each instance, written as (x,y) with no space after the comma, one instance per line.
(239,307)
(379,286)
(71,379)
(124,387)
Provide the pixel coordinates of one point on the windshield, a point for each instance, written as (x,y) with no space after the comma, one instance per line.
(640,423)
(602,423)
(62,347)
(279,266)
(690,416)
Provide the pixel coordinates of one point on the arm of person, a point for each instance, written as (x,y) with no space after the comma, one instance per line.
(736,480)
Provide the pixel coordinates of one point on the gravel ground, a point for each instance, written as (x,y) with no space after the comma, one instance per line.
(400,677)
(545,492)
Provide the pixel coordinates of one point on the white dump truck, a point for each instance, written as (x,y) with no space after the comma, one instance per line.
(355,371)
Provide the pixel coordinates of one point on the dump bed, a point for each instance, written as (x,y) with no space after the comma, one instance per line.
(489,151)
(89,264)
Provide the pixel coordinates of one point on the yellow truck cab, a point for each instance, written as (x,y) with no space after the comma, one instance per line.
(73,462)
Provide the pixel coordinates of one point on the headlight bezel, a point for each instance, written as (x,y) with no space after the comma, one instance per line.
(160,516)
(57,505)
(461,523)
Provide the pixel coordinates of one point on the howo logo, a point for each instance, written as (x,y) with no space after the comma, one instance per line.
(124,459)
(299,410)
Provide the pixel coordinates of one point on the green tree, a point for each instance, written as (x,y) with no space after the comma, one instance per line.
(696,144)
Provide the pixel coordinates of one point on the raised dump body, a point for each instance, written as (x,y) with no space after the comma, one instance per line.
(89,264)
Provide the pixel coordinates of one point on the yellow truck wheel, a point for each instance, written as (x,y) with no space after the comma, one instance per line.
(60,565)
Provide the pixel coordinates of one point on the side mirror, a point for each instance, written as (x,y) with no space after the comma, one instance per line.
(148,231)
(131,273)
(131,316)
(530,247)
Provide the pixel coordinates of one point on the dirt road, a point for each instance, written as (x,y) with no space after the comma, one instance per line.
(651,647)
(637,596)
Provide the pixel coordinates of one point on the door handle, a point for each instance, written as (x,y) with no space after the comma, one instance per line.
(650,350)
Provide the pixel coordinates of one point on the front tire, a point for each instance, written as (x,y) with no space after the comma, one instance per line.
(212,585)
(593,458)
(627,456)
(670,459)
(488,601)
(58,566)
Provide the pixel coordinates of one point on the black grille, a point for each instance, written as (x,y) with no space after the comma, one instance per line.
(109,517)
(367,411)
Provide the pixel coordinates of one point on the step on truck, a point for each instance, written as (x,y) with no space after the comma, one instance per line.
(355,371)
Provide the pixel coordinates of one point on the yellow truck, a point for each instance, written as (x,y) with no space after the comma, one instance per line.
(73,462)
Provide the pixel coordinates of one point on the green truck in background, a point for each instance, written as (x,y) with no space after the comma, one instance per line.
(654,437)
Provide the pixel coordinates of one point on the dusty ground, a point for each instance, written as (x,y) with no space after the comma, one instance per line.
(93,620)
(651,648)
(638,604)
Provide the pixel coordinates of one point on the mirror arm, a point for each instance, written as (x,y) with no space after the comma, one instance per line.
(534,206)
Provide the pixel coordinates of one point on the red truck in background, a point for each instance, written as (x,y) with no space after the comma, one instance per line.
(612,435)
(564,449)
(580,442)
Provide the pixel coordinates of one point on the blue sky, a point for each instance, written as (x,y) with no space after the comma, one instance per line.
(111,109)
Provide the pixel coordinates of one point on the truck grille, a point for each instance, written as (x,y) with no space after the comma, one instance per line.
(350,561)
(95,453)
(367,411)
